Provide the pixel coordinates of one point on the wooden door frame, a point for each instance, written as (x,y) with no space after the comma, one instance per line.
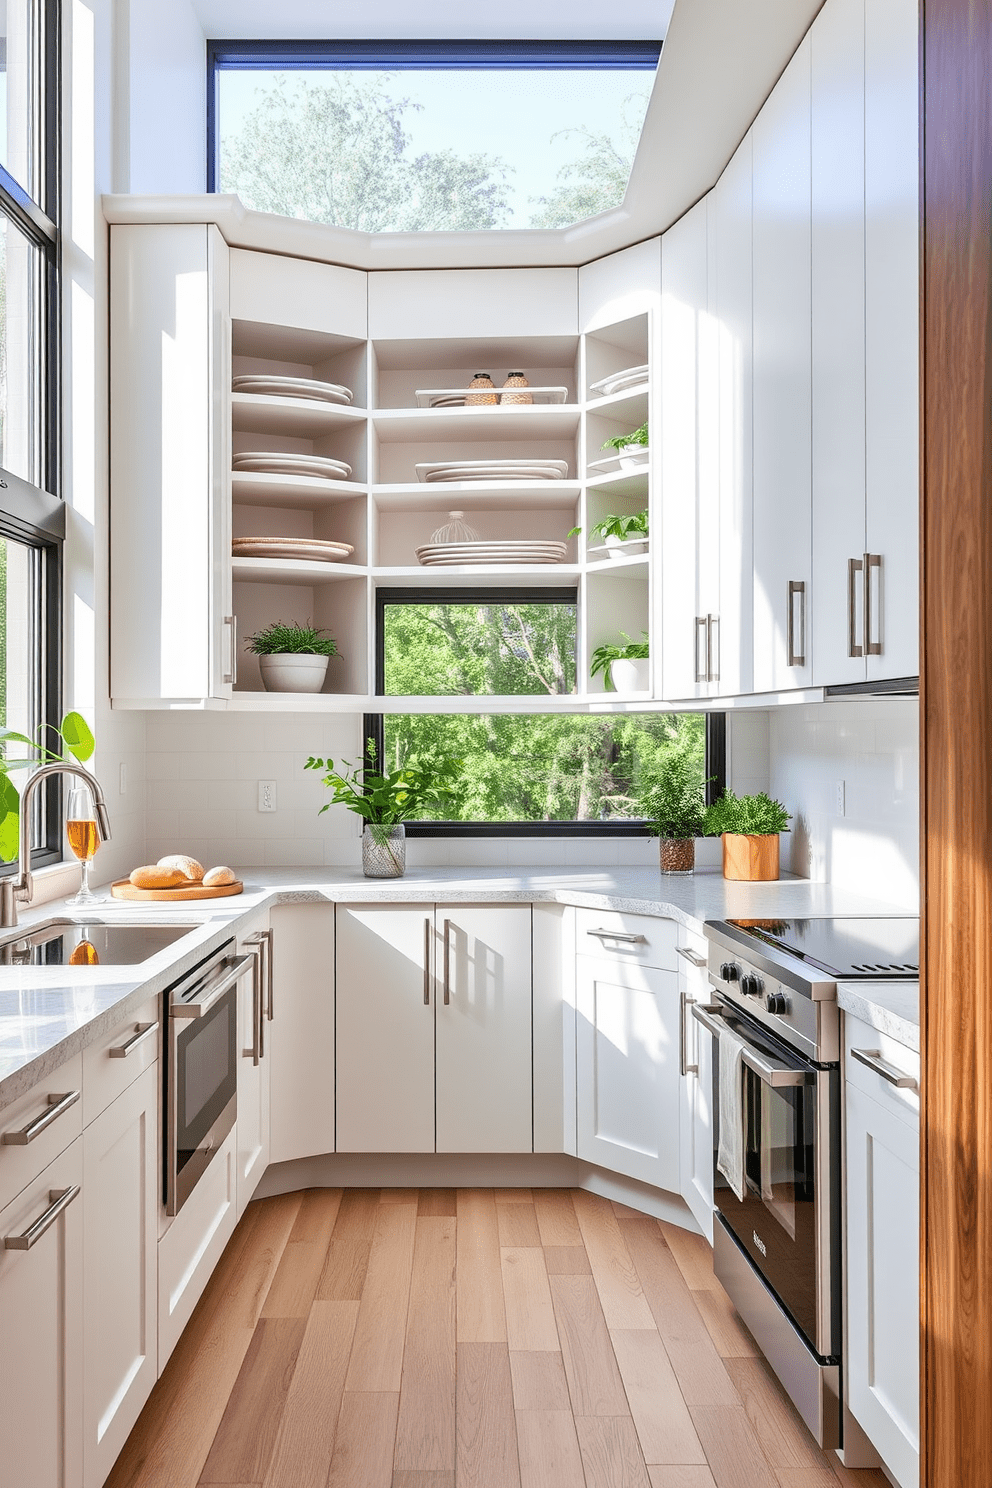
(956,740)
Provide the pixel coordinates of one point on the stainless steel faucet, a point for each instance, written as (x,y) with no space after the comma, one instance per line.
(20,887)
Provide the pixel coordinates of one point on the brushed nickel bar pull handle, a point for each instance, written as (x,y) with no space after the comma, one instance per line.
(231,675)
(700,626)
(238,967)
(872,1059)
(854,567)
(688,954)
(270,942)
(777,1075)
(447,963)
(712,648)
(427,962)
(255,1052)
(684,1068)
(59,1200)
(623,935)
(797,654)
(57,1104)
(872,561)
(141,1032)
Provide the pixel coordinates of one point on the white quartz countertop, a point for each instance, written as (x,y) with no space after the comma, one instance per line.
(47,1014)
(889,1007)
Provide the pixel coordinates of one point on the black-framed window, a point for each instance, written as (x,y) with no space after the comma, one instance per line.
(528,770)
(389,135)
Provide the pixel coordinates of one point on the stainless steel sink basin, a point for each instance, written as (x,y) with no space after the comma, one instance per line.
(64,942)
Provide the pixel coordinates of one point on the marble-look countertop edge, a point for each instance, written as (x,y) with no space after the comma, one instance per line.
(885,1007)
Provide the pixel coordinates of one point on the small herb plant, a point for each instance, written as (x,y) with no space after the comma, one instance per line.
(748,816)
(673,803)
(623,441)
(294,640)
(78,743)
(621,526)
(385,800)
(604,655)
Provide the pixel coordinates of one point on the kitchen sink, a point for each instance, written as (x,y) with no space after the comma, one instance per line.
(63,942)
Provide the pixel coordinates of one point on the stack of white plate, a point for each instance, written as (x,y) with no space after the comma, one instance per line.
(620,382)
(281,462)
(448,402)
(314,549)
(493,470)
(444,555)
(265,384)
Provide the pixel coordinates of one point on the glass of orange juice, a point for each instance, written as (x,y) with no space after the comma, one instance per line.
(84,837)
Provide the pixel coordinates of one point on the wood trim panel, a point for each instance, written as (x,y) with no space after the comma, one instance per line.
(956,712)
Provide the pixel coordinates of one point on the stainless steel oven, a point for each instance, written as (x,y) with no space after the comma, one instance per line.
(201,1068)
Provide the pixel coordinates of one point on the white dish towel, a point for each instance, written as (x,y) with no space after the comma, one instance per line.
(730,1156)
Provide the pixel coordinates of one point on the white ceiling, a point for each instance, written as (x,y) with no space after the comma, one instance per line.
(523,20)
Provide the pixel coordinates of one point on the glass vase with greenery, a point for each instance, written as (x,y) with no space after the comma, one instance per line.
(673,804)
(385,801)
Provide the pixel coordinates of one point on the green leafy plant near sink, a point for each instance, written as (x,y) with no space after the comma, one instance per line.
(384,800)
(623,441)
(620,525)
(77,743)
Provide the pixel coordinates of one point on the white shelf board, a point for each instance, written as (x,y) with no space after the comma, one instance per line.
(305,418)
(619,405)
(431,425)
(297,702)
(252,488)
(617,565)
(622,483)
(465,575)
(484,495)
(292,571)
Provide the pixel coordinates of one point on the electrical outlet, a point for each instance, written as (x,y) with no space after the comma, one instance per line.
(266,795)
(841,798)
(122,785)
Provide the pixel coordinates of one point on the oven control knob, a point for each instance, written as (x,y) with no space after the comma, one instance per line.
(777,1002)
(729,971)
(751,985)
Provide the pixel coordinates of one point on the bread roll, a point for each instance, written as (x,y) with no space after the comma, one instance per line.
(155,877)
(218,877)
(188,867)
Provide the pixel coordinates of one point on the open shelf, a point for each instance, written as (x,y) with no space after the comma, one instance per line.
(623,483)
(461,576)
(306,418)
(481,495)
(631,408)
(250,488)
(617,565)
(292,571)
(539,421)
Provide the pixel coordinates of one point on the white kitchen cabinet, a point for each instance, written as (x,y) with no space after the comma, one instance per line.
(430,304)
(41,1307)
(194,1243)
(696,1117)
(120,1208)
(301,1057)
(782,382)
(882,1142)
(627,1068)
(272,291)
(394,1093)
(254,1081)
(171,628)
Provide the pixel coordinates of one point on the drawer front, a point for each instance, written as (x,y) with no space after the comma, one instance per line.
(890,1061)
(24,1157)
(636,939)
(194,1243)
(115,1061)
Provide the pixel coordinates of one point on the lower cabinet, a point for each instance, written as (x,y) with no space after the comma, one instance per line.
(301,1056)
(627,1069)
(434,1028)
(696,1121)
(41,1315)
(194,1243)
(255,1063)
(120,1209)
(883,1260)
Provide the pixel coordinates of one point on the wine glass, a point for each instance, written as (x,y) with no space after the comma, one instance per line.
(84,837)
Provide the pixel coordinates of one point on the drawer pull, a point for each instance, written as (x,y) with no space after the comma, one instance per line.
(872,1059)
(57,1104)
(59,1200)
(141,1032)
(624,935)
(688,954)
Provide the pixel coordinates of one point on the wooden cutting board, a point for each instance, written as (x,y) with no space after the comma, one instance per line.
(125,889)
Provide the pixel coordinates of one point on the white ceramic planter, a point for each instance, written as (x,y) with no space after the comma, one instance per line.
(625,547)
(630,676)
(632,456)
(288,672)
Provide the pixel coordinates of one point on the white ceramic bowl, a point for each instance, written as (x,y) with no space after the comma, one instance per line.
(289,672)
(630,676)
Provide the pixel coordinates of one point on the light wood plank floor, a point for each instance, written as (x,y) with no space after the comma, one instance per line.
(471,1338)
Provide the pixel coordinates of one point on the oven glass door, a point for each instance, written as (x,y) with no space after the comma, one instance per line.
(778,1221)
(206,1074)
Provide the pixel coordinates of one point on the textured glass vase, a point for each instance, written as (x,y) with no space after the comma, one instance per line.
(384,856)
(678,854)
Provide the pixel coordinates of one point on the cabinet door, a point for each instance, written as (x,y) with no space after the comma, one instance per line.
(301,1053)
(892,291)
(41,1362)
(484,1080)
(781,307)
(883,1273)
(627,1053)
(253,1076)
(838,311)
(696,1124)
(120,1182)
(385,1028)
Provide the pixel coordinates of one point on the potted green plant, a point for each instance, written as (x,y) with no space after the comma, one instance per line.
(292,658)
(385,802)
(749,827)
(632,448)
(673,804)
(623,534)
(624,668)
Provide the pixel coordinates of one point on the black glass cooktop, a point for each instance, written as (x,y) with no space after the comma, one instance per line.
(848,949)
